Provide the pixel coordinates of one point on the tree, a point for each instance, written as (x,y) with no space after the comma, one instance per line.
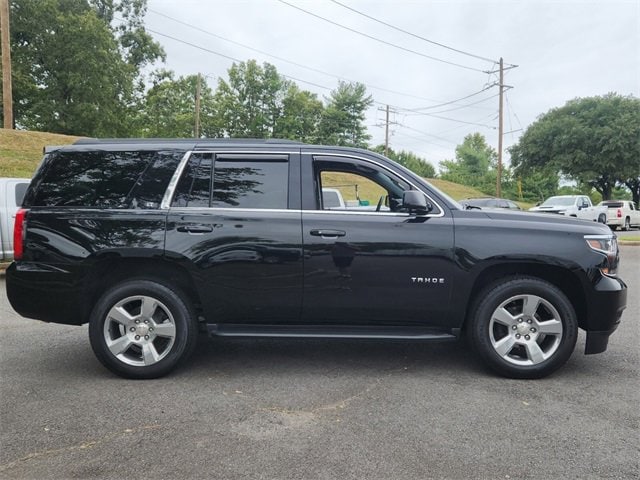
(75,73)
(474,164)
(409,160)
(595,141)
(168,109)
(342,121)
(250,102)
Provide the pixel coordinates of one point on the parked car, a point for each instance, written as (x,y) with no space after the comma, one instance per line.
(151,241)
(579,206)
(621,214)
(490,202)
(12,192)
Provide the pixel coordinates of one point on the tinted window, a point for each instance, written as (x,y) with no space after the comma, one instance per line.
(92,179)
(150,189)
(250,184)
(21,189)
(194,188)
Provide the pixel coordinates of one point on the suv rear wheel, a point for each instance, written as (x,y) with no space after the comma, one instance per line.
(524,327)
(142,329)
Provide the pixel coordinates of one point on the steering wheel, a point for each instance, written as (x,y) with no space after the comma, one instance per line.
(380,203)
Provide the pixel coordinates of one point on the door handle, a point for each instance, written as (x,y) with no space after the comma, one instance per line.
(327,233)
(195,228)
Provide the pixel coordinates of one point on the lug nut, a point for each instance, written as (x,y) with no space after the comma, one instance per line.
(514,327)
(137,321)
(146,321)
(529,321)
(533,330)
(519,320)
(146,337)
(527,337)
(133,329)
(518,335)
(151,329)
(137,337)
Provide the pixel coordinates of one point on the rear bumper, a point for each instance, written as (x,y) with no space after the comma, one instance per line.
(46,294)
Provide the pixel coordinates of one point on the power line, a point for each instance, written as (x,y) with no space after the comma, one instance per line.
(413,34)
(312,69)
(380,40)
(179,40)
(458,107)
(419,110)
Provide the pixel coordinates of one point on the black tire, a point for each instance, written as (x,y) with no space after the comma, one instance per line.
(545,339)
(154,326)
(602,218)
(627,224)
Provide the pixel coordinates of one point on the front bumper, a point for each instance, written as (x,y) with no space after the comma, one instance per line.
(605,302)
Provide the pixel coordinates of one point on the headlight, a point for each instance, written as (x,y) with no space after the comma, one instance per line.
(607,245)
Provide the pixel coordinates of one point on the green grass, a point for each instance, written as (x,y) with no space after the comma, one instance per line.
(633,238)
(21,152)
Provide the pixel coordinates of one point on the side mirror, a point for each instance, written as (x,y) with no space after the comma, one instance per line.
(415,202)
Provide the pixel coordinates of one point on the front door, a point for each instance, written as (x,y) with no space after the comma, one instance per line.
(366,260)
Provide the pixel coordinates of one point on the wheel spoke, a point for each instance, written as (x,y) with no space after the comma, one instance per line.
(119,345)
(148,307)
(504,345)
(504,317)
(530,305)
(166,329)
(149,354)
(120,315)
(534,352)
(550,327)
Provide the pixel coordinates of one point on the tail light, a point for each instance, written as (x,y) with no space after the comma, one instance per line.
(18,234)
(619,213)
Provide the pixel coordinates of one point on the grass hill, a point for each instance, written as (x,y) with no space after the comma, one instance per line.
(21,152)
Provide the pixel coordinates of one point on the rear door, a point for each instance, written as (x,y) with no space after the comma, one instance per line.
(371,263)
(235,221)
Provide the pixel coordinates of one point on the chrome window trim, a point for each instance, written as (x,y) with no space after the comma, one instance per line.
(288,210)
(171,188)
(168,195)
(365,159)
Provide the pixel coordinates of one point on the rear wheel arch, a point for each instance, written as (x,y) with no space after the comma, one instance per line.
(110,271)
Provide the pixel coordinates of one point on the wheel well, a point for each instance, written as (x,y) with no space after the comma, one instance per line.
(562,278)
(110,271)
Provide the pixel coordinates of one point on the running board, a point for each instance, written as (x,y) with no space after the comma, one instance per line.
(328,331)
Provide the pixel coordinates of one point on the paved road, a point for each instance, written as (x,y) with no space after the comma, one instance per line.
(316,409)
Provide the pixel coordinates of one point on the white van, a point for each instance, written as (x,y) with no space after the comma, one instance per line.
(12,192)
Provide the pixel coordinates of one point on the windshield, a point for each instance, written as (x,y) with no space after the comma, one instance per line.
(560,201)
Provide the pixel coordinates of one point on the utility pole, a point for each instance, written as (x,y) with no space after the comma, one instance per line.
(386,134)
(197,126)
(500,116)
(7,94)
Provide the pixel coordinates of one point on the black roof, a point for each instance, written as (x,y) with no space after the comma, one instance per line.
(187,141)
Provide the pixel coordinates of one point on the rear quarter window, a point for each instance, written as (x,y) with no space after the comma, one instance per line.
(105,179)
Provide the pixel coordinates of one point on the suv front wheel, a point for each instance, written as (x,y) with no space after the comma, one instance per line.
(524,327)
(142,329)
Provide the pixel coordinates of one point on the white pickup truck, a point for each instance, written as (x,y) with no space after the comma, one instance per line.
(579,206)
(621,214)
(12,192)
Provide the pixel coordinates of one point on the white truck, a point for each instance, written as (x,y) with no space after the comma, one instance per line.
(12,192)
(621,214)
(579,206)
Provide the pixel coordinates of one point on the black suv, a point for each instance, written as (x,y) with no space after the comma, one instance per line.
(152,241)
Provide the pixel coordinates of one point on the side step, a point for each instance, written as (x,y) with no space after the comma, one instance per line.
(329,331)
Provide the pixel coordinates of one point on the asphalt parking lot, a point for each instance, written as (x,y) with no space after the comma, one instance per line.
(315,409)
